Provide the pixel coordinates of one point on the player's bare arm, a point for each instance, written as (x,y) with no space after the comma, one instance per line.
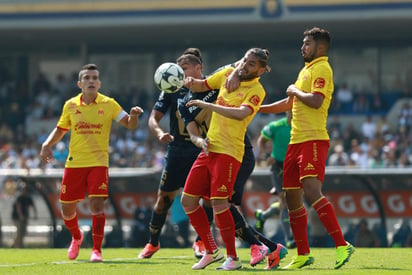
(196,137)
(238,113)
(233,80)
(313,100)
(46,152)
(276,107)
(154,126)
(195,85)
(131,121)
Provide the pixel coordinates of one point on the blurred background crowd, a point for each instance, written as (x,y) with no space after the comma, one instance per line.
(371,143)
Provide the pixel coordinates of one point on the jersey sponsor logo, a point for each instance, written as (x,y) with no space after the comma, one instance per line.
(221,101)
(87,125)
(319,82)
(309,166)
(254,100)
(222,188)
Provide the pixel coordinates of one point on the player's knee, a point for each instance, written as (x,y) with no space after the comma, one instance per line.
(189,204)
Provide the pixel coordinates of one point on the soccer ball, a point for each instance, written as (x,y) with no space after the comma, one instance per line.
(169,77)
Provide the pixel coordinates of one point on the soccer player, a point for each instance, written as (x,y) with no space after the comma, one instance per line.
(197,123)
(89,116)
(213,174)
(181,153)
(278,134)
(304,167)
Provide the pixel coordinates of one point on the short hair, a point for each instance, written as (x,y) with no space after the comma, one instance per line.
(262,55)
(319,35)
(87,67)
(191,55)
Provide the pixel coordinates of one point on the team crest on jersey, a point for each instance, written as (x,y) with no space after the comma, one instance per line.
(254,100)
(319,82)
(100,112)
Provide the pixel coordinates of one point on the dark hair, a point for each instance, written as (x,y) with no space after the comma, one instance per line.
(263,56)
(87,67)
(319,35)
(191,55)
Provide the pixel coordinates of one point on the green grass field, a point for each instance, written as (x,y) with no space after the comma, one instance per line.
(179,261)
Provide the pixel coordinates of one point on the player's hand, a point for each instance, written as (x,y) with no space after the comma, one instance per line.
(205,145)
(166,138)
(232,81)
(136,111)
(291,90)
(196,102)
(270,161)
(189,82)
(46,154)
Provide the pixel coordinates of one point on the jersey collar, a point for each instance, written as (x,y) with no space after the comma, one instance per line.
(314,61)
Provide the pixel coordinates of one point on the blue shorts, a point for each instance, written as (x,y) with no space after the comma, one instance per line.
(176,168)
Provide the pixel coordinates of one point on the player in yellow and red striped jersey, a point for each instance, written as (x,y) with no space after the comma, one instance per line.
(89,117)
(304,167)
(214,172)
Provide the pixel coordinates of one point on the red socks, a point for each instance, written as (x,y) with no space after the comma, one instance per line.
(73,226)
(226,224)
(298,223)
(98,222)
(200,223)
(327,216)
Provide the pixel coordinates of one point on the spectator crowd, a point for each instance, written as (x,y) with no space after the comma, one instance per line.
(376,144)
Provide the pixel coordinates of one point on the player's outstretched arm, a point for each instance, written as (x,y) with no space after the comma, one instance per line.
(276,107)
(238,113)
(195,85)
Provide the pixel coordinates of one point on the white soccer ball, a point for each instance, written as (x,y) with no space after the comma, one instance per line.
(169,77)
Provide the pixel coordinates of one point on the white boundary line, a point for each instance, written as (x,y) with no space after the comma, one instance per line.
(85,261)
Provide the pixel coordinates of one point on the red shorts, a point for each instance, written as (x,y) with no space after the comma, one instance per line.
(307,159)
(212,177)
(77,181)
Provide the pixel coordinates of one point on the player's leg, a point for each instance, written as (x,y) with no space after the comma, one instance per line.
(225,170)
(226,225)
(312,187)
(297,212)
(173,178)
(97,189)
(197,186)
(198,245)
(98,221)
(284,221)
(72,190)
(327,216)
(69,215)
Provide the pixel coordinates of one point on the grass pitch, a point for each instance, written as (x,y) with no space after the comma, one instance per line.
(179,261)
